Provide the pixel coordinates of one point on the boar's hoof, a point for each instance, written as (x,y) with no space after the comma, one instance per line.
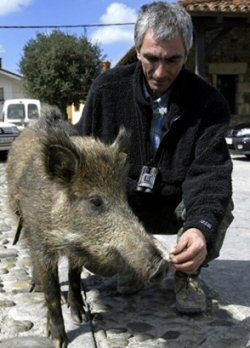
(58,342)
(78,315)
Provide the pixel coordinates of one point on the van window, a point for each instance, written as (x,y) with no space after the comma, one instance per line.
(16,111)
(33,111)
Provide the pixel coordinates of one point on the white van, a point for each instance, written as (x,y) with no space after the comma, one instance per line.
(21,111)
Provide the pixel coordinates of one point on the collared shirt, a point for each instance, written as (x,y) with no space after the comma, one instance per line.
(159,108)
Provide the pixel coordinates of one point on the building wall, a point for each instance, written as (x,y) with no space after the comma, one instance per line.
(74,113)
(12,88)
(231,57)
(235,49)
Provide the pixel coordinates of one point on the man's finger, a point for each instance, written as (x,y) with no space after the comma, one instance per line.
(191,265)
(182,245)
(186,255)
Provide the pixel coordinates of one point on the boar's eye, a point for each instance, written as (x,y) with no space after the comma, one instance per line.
(96,201)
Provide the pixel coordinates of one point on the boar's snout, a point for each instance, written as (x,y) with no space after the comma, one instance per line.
(128,285)
(159,272)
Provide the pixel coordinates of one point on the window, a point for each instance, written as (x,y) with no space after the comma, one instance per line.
(32,111)
(15,111)
(226,84)
(1,94)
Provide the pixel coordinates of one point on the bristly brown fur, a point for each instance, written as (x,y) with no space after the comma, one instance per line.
(71,192)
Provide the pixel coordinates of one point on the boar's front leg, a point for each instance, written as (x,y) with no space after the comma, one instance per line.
(75,300)
(50,283)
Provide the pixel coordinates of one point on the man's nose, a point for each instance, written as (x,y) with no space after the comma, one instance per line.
(160,70)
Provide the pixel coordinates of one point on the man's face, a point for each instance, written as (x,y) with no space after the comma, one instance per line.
(161,61)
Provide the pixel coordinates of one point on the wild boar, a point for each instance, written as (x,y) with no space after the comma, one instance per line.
(70,193)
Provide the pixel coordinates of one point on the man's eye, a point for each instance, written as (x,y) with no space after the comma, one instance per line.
(152,59)
(173,60)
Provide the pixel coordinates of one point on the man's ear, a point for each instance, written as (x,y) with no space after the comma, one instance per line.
(138,53)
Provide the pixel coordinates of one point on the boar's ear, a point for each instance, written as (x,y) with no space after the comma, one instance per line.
(122,140)
(62,162)
(61,158)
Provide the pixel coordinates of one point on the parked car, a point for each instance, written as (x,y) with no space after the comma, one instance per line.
(8,133)
(21,111)
(238,139)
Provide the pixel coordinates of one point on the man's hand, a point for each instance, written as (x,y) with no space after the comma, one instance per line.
(190,252)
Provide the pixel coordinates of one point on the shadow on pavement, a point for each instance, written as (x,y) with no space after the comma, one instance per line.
(149,318)
(231,279)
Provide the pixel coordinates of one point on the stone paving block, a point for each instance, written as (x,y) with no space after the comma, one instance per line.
(27,342)
(153,321)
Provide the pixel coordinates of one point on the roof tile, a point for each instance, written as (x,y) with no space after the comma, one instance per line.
(238,6)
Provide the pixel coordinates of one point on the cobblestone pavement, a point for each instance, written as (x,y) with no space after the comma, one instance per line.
(147,319)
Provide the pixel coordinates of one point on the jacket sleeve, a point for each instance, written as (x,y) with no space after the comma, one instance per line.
(207,188)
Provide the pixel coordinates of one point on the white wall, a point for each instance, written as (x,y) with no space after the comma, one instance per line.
(12,88)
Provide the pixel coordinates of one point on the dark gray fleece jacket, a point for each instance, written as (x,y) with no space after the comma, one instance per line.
(193,159)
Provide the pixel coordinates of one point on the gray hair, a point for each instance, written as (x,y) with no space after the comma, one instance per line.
(166,20)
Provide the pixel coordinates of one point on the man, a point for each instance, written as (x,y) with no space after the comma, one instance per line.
(180,168)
